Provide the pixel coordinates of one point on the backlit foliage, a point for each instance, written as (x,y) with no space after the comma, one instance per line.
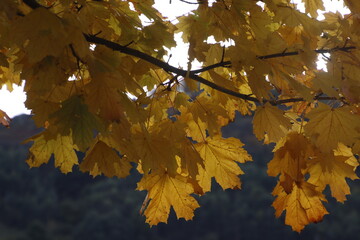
(98,81)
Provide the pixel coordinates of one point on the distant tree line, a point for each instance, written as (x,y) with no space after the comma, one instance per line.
(43,204)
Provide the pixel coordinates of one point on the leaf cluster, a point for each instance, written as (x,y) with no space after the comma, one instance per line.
(97,82)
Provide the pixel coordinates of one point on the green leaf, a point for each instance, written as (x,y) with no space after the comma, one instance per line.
(73,117)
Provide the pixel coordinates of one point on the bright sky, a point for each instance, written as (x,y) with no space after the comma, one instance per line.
(13,103)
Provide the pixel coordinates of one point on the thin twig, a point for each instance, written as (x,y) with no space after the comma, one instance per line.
(275,55)
(75,54)
(197,2)
(223,54)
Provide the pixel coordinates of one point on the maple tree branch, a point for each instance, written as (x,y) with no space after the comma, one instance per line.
(193,74)
(275,55)
(321,51)
(75,54)
(197,2)
(292,100)
(167,67)
(216,65)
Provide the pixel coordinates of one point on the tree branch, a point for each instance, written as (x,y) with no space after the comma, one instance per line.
(322,51)
(275,55)
(167,67)
(193,74)
(292,100)
(133,52)
(216,65)
(197,2)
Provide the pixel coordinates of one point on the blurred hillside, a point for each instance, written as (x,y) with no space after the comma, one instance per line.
(43,204)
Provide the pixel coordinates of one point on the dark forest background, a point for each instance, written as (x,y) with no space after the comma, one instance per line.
(44,204)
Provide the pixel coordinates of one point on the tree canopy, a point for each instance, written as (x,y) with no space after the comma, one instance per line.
(98,80)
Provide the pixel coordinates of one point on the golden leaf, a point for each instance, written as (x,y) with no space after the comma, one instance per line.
(102,159)
(291,157)
(62,147)
(45,32)
(64,153)
(270,120)
(220,159)
(303,205)
(312,6)
(40,152)
(165,191)
(155,151)
(332,169)
(328,126)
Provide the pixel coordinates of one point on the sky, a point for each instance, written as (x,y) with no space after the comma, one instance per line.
(13,103)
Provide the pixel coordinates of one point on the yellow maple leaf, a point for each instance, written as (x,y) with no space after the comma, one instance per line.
(328,126)
(214,54)
(119,137)
(190,159)
(45,32)
(291,157)
(303,205)
(45,75)
(102,159)
(164,192)
(327,83)
(205,115)
(41,151)
(102,99)
(62,147)
(196,129)
(270,120)
(155,151)
(332,169)
(350,84)
(311,6)
(292,35)
(258,84)
(64,153)
(220,159)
